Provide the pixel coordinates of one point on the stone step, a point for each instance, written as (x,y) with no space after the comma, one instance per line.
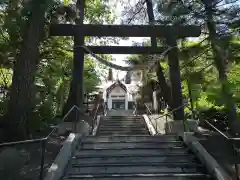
(137,164)
(122,133)
(122,129)
(129,152)
(130,145)
(179,176)
(123,117)
(122,122)
(138,125)
(145,159)
(114,141)
(135,138)
(130,148)
(122,125)
(133,170)
(169,155)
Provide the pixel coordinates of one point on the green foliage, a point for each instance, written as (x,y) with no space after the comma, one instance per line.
(54,71)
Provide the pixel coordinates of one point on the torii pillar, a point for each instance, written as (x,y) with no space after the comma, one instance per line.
(175,78)
(76,93)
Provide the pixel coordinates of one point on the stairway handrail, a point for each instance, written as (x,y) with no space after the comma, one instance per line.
(94,116)
(231,139)
(214,127)
(94,120)
(148,108)
(168,113)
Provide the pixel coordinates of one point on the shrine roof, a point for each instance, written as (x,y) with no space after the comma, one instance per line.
(115,84)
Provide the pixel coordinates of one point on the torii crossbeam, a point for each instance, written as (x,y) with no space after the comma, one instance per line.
(124,30)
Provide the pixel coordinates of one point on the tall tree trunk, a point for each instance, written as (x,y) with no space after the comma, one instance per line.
(219,62)
(22,93)
(189,86)
(165,89)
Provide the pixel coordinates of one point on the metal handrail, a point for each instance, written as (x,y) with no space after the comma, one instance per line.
(221,133)
(169,113)
(40,140)
(148,108)
(216,129)
(105,109)
(63,119)
(232,144)
(94,120)
(166,115)
(135,110)
(94,117)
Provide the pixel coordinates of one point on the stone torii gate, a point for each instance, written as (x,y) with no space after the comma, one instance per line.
(80,30)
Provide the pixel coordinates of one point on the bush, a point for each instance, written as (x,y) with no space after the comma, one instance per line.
(216,116)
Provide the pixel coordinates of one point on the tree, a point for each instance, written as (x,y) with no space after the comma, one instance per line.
(36,101)
(219,59)
(22,93)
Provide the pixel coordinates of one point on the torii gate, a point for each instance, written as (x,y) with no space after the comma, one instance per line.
(80,30)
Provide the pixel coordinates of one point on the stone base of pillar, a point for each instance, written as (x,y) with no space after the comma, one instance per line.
(81,127)
(179,127)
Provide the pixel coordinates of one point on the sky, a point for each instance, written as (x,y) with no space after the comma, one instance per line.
(120,57)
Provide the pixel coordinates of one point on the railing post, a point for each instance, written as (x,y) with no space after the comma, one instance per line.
(235,164)
(166,121)
(43,145)
(156,122)
(184,125)
(92,124)
(76,120)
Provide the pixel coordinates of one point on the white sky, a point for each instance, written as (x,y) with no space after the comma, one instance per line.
(120,57)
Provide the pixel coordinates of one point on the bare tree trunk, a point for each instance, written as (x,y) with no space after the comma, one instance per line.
(220,64)
(22,93)
(166,91)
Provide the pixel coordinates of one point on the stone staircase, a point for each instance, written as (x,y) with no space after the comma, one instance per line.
(122,125)
(123,149)
(120,112)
